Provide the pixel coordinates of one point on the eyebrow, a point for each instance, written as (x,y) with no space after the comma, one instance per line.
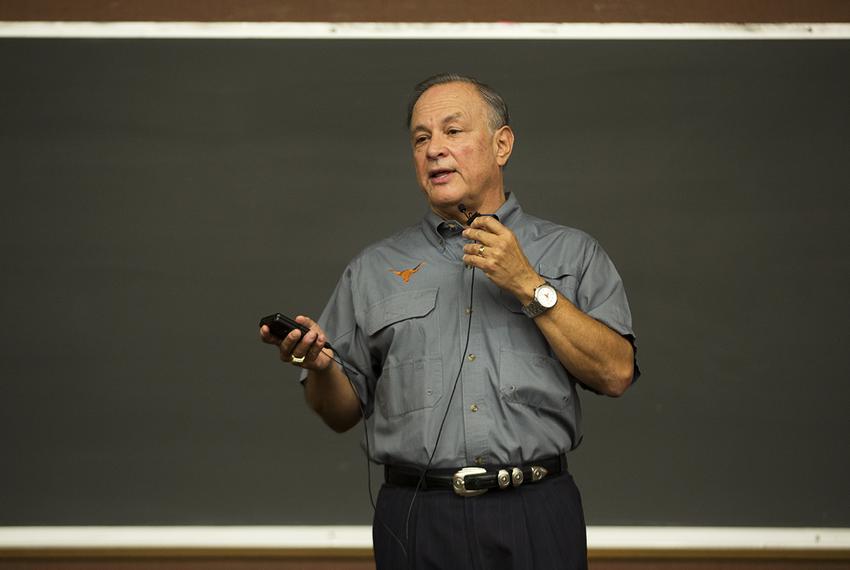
(448,119)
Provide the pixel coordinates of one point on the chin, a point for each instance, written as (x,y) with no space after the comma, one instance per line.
(445,197)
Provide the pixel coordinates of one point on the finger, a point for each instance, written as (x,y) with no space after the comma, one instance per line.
(304,320)
(289,343)
(315,349)
(310,324)
(480,235)
(477,261)
(490,224)
(304,344)
(475,249)
(267,336)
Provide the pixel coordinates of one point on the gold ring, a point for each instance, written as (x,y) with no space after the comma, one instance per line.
(297,359)
(481,250)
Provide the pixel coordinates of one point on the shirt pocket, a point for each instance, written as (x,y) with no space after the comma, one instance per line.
(404,328)
(399,307)
(534,380)
(410,386)
(561,276)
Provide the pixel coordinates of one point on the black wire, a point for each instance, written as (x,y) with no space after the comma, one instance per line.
(338,359)
(343,366)
(445,415)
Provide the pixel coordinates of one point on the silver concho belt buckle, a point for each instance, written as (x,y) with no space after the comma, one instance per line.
(459,484)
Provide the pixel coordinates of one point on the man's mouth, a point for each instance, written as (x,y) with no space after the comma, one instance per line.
(440,175)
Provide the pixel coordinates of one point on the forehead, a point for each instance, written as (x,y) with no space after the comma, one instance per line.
(446,100)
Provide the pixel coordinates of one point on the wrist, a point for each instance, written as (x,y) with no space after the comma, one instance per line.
(526,286)
(324,370)
(544,298)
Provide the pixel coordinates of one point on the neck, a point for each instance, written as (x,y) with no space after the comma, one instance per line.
(487,206)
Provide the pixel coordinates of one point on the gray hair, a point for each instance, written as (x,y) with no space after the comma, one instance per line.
(496,106)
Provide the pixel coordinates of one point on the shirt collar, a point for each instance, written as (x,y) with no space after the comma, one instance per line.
(510,211)
(437,229)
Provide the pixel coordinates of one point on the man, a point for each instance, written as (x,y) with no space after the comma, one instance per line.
(465,345)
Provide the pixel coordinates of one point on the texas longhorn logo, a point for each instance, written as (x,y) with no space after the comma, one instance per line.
(406,274)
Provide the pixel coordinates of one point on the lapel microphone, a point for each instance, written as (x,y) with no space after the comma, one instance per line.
(470,217)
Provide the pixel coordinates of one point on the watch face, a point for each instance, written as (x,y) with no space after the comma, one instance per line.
(546,296)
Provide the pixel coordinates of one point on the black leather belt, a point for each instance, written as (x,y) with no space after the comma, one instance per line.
(471,481)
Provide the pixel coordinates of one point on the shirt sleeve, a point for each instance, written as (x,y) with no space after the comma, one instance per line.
(601,295)
(340,323)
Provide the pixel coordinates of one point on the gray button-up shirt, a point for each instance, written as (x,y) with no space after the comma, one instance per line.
(399,317)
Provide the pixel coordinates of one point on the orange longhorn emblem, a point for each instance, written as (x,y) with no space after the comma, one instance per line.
(406,274)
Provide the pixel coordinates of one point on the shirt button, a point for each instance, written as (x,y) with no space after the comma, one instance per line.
(468,310)
(479,460)
(471,357)
(473,408)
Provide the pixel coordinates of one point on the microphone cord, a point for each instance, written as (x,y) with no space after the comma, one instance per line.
(344,367)
(443,421)
(470,216)
(404,545)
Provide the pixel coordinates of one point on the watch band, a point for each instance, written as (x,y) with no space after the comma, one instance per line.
(535,308)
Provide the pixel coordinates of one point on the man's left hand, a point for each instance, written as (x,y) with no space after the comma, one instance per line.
(499,255)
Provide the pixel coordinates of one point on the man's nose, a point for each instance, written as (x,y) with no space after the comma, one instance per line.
(436,148)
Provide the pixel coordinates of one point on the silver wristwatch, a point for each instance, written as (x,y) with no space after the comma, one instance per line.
(545,298)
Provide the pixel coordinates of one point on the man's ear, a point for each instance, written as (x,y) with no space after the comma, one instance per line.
(503,141)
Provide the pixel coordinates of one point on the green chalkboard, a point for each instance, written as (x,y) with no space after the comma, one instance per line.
(159,196)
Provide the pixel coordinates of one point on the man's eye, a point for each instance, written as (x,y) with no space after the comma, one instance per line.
(454,131)
(420,140)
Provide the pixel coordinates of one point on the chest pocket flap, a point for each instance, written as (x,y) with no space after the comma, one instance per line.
(562,277)
(398,307)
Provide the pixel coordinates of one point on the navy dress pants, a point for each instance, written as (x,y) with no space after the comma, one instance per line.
(532,527)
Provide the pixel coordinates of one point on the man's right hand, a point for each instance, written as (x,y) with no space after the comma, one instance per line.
(327,389)
(294,345)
